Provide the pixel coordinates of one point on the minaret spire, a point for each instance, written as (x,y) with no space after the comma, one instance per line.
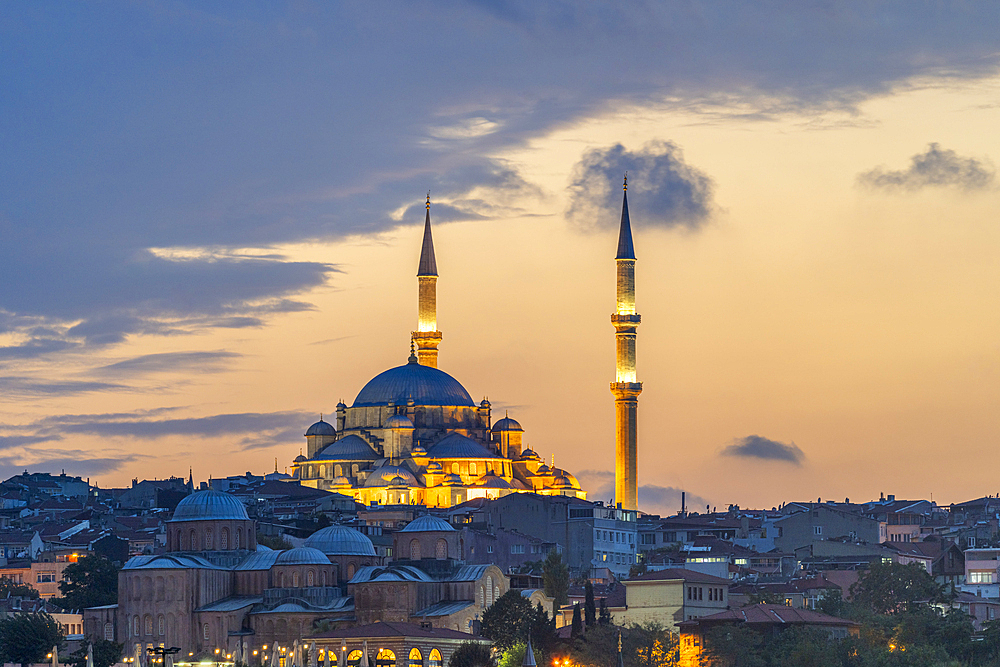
(427,337)
(625,387)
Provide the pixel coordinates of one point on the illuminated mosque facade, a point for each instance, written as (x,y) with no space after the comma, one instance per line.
(414,435)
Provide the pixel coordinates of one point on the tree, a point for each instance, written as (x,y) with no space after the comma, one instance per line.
(92,581)
(577,628)
(555,578)
(589,609)
(276,542)
(764,596)
(8,588)
(605,616)
(106,654)
(472,654)
(27,638)
(508,620)
(514,656)
(888,588)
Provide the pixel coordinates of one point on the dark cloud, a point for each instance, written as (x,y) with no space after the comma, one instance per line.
(36,347)
(141,427)
(79,464)
(934,167)
(665,191)
(662,500)
(756,447)
(168,362)
(11,441)
(26,386)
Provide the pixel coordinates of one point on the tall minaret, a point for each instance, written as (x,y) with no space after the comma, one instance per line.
(427,336)
(625,388)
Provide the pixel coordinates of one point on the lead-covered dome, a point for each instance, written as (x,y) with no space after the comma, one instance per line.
(385,475)
(421,384)
(210,505)
(506,424)
(321,428)
(302,556)
(341,541)
(349,448)
(428,524)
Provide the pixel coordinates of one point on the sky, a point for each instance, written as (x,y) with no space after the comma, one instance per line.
(210,220)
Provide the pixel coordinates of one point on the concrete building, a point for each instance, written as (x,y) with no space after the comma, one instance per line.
(820,522)
(672,596)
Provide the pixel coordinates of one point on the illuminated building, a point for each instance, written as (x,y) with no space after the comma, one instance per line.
(414,436)
(625,387)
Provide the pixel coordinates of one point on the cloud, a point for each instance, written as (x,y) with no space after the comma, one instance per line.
(138,426)
(665,191)
(12,441)
(935,167)
(36,347)
(662,500)
(170,362)
(757,447)
(78,463)
(26,386)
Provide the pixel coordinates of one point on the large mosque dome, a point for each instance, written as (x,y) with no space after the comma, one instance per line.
(423,385)
(341,541)
(210,505)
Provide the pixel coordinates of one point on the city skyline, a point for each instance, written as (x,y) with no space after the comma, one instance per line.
(213,242)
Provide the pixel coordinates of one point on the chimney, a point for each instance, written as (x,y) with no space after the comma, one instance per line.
(683,504)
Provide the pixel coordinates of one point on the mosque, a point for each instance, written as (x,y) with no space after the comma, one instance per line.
(414,435)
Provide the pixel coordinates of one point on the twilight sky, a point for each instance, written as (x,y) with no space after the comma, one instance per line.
(210,218)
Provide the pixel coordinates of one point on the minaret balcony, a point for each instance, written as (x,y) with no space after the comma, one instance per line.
(626,319)
(626,391)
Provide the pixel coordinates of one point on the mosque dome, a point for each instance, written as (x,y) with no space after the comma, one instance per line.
(421,384)
(321,428)
(434,466)
(398,421)
(340,481)
(418,451)
(349,448)
(262,548)
(210,505)
(302,556)
(341,541)
(506,424)
(385,475)
(562,482)
(300,458)
(428,524)
(451,478)
(529,455)
(458,446)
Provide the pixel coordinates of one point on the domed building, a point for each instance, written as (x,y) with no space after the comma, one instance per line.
(414,435)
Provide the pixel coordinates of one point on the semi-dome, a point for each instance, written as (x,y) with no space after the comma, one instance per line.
(421,384)
(427,524)
(529,455)
(349,448)
(418,451)
(457,446)
(398,421)
(451,478)
(562,482)
(302,556)
(506,424)
(321,428)
(340,481)
(384,476)
(434,466)
(210,505)
(341,541)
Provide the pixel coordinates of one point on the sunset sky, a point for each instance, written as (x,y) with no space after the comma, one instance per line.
(210,222)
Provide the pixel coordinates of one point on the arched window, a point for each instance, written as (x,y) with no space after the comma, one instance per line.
(473,468)
(481,597)
(416,660)
(322,472)
(385,658)
(435,658)
(454,468)
(354,470)
(208,539)
(204,632)
(338,471)
(414,549)
(489,590)
(295,579)
(161,626)
(238,537)
(322,578)
(281,580)
(351,569)
(148,625)
(441,549)
(109,631)
(310,578)
(224,539)
(496,592)
(354,658)
(193,542)
(135,626)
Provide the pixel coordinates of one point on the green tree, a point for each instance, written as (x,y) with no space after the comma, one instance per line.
(889,588)
(577,629)
(472,654)
(92,581)
(764,596)
(514,656)
(734,645)
(9,588)
(106,654)
(543,635)
(27,638)
(646,645)
(508,620)
(589,608)
(555,578)
(604,617)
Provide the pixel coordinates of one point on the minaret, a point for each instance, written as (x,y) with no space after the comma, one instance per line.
(427,337)
(625,388)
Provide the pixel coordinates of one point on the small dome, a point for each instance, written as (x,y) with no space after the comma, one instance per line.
(506,424)
(433,466)
(210,505)
(451,478)
(457,446)
(348,448)
(302,556)
(398,421)
(384,476)
(529,455)
(300,459)
(562,482)
(341,541)
(341,406)
(397,481)
(340,481)
(418,451)
(321,428)
(543,470)
(428,524)
(262,548)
